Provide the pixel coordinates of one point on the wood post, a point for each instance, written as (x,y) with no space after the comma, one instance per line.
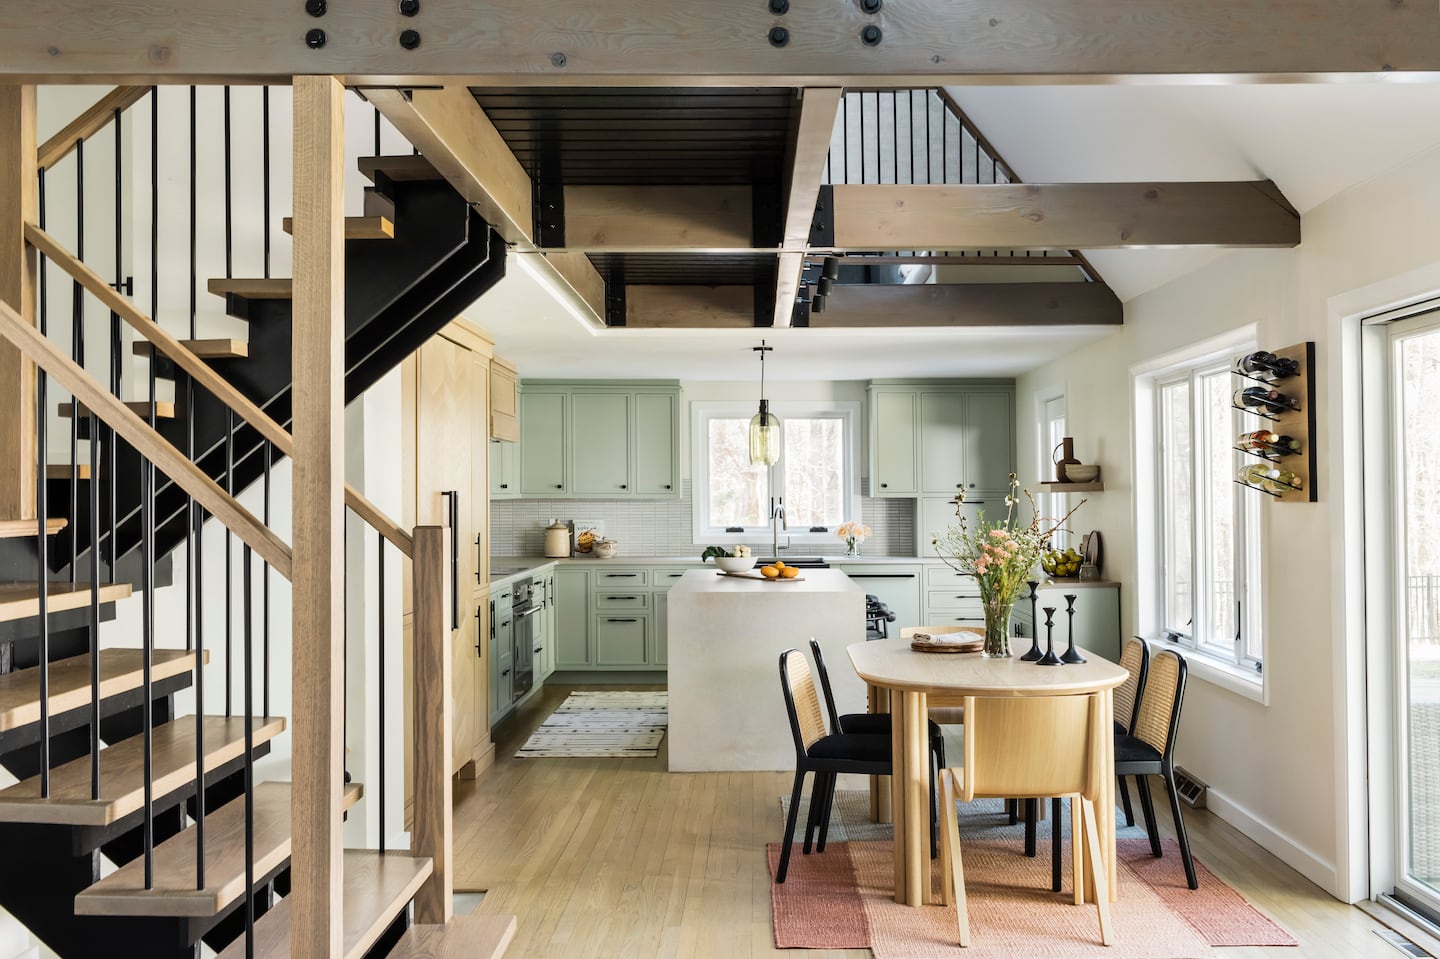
(17,288)
(432,831)
(318,557)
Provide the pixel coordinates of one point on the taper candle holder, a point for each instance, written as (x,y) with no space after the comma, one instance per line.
(1034,652)
(1050,659)
(1072,655)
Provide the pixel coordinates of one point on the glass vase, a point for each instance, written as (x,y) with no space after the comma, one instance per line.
(852,547)
(997,628)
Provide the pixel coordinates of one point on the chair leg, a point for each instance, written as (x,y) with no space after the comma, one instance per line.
(1147,808)
(790,825)
(937,745)
(1055,845)
(826,811)
(817,807)
(1032,813)
(1125,800)
(956,872)
(1098,872)
(1077,851)
(934,813)
(1190,879)
(1012,809)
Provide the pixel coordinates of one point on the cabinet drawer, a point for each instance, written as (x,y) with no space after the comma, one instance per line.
(621,598)
(663,577)
(954,599)
(621,640)
(946,578)
(613,579)
(955,617)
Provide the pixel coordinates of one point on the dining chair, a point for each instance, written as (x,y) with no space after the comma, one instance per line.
(1135,659)
(824,753)
(1030,747)
(1149,748)
(869,724)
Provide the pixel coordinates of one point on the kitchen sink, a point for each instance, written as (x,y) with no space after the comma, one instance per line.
(803,562)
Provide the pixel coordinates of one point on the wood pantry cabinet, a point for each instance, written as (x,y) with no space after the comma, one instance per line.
(939,437)
(446,417)
(599,439)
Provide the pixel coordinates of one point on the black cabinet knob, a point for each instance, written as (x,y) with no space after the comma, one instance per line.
(667,486)
(623,486)
(884,485)
(559,485)
(504,485)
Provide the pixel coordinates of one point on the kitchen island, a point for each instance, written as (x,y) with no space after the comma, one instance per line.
(726,635)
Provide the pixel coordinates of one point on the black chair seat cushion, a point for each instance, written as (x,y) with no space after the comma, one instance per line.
(874,723)
(1128,749)
(866,748)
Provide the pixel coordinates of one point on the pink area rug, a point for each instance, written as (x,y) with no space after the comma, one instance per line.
(841,899)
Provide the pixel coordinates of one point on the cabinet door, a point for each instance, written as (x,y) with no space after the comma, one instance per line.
(492,659)
(896,586)
(660,633)
(935,514)
(989,440)
(476,543)
(572,619)
(504,402)
(542,454)
(504,470)
(547,632)
(602,444)
(655,453)
(620,640)
(892,472)
(943,449)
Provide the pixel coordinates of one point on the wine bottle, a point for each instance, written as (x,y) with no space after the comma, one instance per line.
(1258,475)
(1286,443)
(1259,441)
(1288,480)
(1258,397)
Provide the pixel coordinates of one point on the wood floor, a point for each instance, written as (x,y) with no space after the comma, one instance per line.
(619,858)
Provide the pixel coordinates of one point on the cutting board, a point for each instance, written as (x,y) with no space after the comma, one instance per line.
(763,579)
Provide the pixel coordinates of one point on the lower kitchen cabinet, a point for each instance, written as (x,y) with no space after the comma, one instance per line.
(1097,617)
(659,634)
(546,663)
(573,618)
(896,586)
(620,640)
(501,655)
(613,617)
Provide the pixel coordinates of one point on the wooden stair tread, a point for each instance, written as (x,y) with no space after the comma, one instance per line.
(60,471)
(358,227)
(17,528)
(123,892)
(120,671)
(464,937)
(253,289)
(376,888)
(400,168)
(163,410)
(22,600)
(217,349)
(121,773)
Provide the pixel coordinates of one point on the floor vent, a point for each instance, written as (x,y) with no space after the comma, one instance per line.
(1191,789)
(1404,945)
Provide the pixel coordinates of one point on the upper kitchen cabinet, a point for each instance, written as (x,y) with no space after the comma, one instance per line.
(504,401)
(504,470)
(600,439)
(941,437)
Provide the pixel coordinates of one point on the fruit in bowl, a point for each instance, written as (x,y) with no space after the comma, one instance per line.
(735,564)
(1061,562)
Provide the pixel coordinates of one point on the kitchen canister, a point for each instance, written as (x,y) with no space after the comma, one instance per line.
(557,540)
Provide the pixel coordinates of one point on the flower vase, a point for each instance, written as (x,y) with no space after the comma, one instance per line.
(852,547)
(997,628)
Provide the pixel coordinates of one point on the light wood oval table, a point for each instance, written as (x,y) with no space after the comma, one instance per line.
(916,681)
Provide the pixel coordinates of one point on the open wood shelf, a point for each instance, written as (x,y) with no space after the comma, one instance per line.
(1094,487)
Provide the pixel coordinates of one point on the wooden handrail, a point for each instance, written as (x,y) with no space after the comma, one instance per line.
(87,124)
(150,444)
(203,374)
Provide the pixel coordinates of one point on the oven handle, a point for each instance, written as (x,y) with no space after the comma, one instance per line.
(529,612)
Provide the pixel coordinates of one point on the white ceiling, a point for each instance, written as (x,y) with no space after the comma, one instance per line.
(1312,140)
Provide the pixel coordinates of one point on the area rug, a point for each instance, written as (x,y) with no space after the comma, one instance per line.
(841,899)
(602,723)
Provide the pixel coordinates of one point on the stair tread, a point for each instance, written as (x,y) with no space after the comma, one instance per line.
(376,888)
(16,528)
(120,671)
(123,892)
(400,168)
(464,937)
(223,348)
(164,410)
(253,288)
(358,227)
(22,600)
(122,770)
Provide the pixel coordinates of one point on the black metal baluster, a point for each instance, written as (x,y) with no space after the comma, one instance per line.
(42,508)
(196,517)
(192,213)
(265,597)
(229,566)
(380,670)
(377,130)
(94,606)
(147,573)
(249,760)
(844,137)
(229,195)
(77,353)
(265,178)
(929,155)
(117,342)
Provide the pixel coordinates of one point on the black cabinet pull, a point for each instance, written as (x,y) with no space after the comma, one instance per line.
(622,620)
(621,597)
(504,672)
(881,575)
(454,496)
(621,575)
(506,623)
(539,650)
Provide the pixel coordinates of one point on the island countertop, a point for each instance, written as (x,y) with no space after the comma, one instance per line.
(809,581)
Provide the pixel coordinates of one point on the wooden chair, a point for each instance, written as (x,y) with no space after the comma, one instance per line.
(825,754)
(1135,658)
(1149,748)
(1030,747)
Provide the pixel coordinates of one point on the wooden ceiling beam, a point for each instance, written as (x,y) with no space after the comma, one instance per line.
(1090,216)
(659,42)
(689,307)
(970,304)
(640,219)
(806,150)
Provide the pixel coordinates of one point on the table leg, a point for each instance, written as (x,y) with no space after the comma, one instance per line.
(897,795)
(879,702)
(915,771)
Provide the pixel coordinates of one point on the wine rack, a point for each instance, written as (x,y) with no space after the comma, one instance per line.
(1296,421)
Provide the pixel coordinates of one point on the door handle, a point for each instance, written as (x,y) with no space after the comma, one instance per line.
(454,496)
(479,558)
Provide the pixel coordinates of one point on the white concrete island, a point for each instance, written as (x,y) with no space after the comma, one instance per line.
(726,635)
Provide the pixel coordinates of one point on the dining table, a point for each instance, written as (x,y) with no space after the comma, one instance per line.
(906,682)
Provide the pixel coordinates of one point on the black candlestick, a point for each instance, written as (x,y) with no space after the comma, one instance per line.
(1050,659)
(1072,655)
(1034,652)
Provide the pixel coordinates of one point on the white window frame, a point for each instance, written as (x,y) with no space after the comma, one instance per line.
(701,413)
(1231,665)
(1052,505)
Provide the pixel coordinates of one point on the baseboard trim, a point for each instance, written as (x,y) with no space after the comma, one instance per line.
(1287,850)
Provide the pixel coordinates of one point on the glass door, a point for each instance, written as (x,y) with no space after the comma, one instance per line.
(1414,368)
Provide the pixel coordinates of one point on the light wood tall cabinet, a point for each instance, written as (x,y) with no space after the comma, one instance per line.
(447,422)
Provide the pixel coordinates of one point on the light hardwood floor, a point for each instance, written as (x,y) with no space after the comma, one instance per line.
(619,858)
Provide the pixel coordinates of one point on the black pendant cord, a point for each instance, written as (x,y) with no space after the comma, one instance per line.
(1034,652)
(249,683)
(1050,659)
(1072,655)
(77,353)
(42,509)
(380,671)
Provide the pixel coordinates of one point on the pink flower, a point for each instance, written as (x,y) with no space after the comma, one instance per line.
(997,534)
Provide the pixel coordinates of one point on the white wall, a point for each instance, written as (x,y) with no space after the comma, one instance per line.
(1288,773)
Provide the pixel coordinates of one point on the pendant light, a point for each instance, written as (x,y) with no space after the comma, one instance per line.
(764,425)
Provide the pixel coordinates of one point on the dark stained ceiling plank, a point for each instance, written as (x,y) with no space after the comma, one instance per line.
(970,304)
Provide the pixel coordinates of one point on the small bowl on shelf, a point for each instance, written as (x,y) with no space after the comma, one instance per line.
(735,564)
(1081,472)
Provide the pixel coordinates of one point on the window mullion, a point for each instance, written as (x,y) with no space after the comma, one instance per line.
(1199,514)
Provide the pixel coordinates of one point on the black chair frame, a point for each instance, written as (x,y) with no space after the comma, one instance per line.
(1128,725)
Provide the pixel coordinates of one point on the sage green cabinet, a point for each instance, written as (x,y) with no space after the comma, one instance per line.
(656,444)
(659,636)
(893,435)
(942,441)
(940,437)
(546,665)
(897,587)
(602,444)
(504,469)
(989,432)
(543,449)
(573,618)
(620,639)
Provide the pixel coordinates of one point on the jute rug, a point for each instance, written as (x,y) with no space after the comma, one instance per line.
(602,723)
(842,899)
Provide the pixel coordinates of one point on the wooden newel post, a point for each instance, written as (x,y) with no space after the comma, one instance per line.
(433,708)
(17,288)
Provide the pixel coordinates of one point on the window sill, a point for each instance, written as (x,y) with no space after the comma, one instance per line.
(1236,679)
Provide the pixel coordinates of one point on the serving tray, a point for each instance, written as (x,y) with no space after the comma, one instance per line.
(763,579)
(969,646)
